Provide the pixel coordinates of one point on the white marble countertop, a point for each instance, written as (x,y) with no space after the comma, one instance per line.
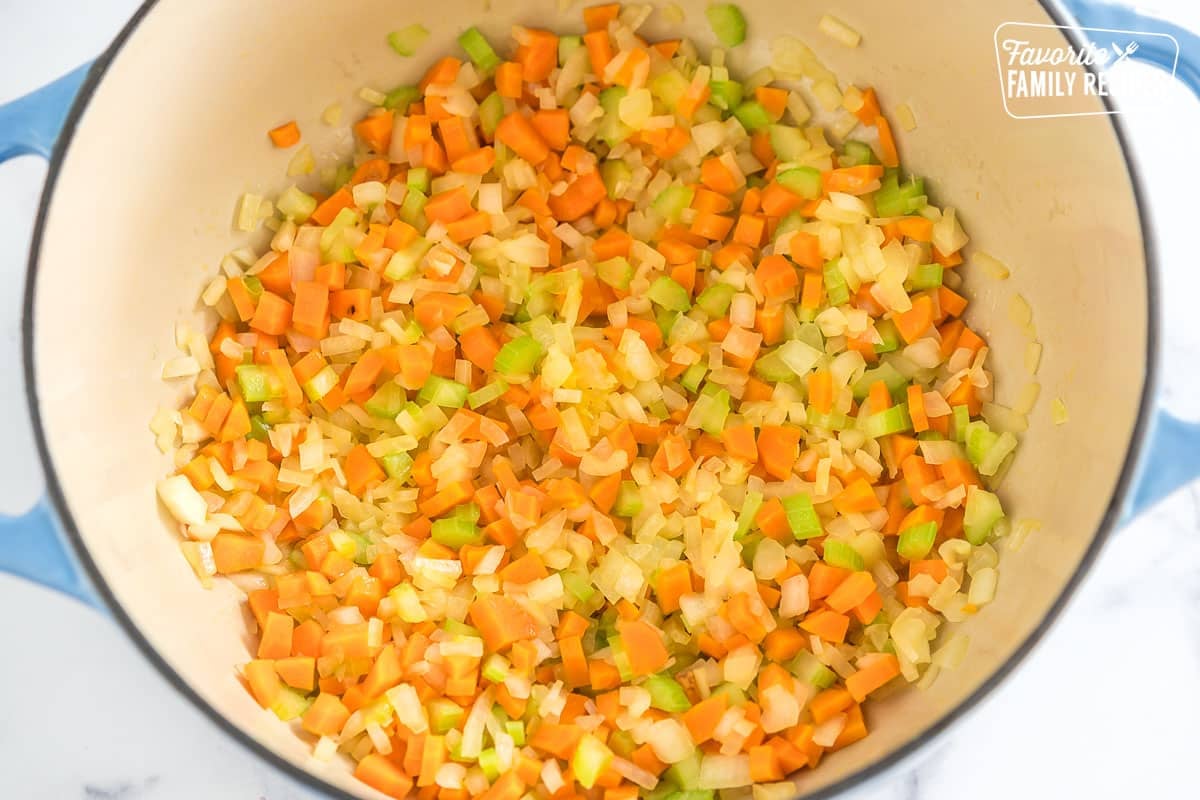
(1108,706)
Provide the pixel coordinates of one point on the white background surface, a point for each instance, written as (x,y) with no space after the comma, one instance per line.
(1107,707)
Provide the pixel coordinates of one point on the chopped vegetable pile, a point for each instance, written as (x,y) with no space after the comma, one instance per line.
(602,432)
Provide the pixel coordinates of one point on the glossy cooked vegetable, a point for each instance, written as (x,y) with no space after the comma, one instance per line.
(603,431)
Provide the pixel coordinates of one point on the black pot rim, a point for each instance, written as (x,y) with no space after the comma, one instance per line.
(855,780)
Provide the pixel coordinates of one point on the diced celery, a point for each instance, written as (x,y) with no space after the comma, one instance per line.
(342,174)
(895,200)
(750,506)
(496,668)
(516,730)
(518,357)
(253,286)
(728,23)
(686,774)
(443,392)
(979,440)
(320,384)
(771,367)
(477,48)
(672,201)
(612,131)
(258,384)
(890,335)
(669,294)
(454,626)
(888,421)
(407,262)
(295,204)
(983,511)
(666,694)
(566,46)
(714,411)
(753,116)
(418,178)
(491,111)
(669,87)
(260,429)
(455,531)
(406,40)
(804,181)
(580,586)
(400,98)
(842,554)
(411,209)
(801,516)
(732,692)
(916,542)
(807,668)
(489,762)
(444,715)
(691,377)
(833,422)
(397,465)
(290,704)
(836,288)
(665,318)
(486,394)
(629,500)
(616,272)
(856,153)
(333,245)
(617,177)
(715,300)
(725,95)
(591,758)
(792,221)
(789,142)
(896,383)
(960,418)
(387,401)
(927,276)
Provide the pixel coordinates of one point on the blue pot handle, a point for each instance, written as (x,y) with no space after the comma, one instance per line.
(1172,455)
(32,545)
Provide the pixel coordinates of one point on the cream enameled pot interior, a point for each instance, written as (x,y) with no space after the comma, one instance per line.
(142,211)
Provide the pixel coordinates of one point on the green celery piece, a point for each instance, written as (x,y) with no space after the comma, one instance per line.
(836,288)
(616,272)
(612,131)
(753,116)
(672,201)
(856,153)
(260,429)
(491,111)
(516,730)
(896,383)
(333,245)
(888,421)
(666,694)
(890,335)
(770,367)
(629,500)
(807,668)
(622,743)
(750,506)
(342,175)
(725,95)
(486,394)
(750,543)
(455,532)
(802,516)
(258,384)
(518,357)
(295,204)
(580,586)
(617,177)
(959,420)
(927,276)
(670,295)
(405,263)
(406,40)
(713,421)
(397,465)
(686,774)
(495,668)
(734,693)
(489,762)
(982,512)
(916,542)
(290,704)
(715,300)
(457,628)
(788,142)
(400,98)
(387,401)
(728,23)
(665,319)
(833,422)
(479,50)
(804,181)
(320,384)
(566,46)
(691,377)
(669,87)
(591,758)
(443,392)
(979,440)
(842,554)
(412,207)
(445,715)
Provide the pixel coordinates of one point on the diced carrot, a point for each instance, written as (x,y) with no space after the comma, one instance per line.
(379,773)
(882,668)
(517,132)
(580,197)
(376,131)
(643,646)
(702,719)
(285,135)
